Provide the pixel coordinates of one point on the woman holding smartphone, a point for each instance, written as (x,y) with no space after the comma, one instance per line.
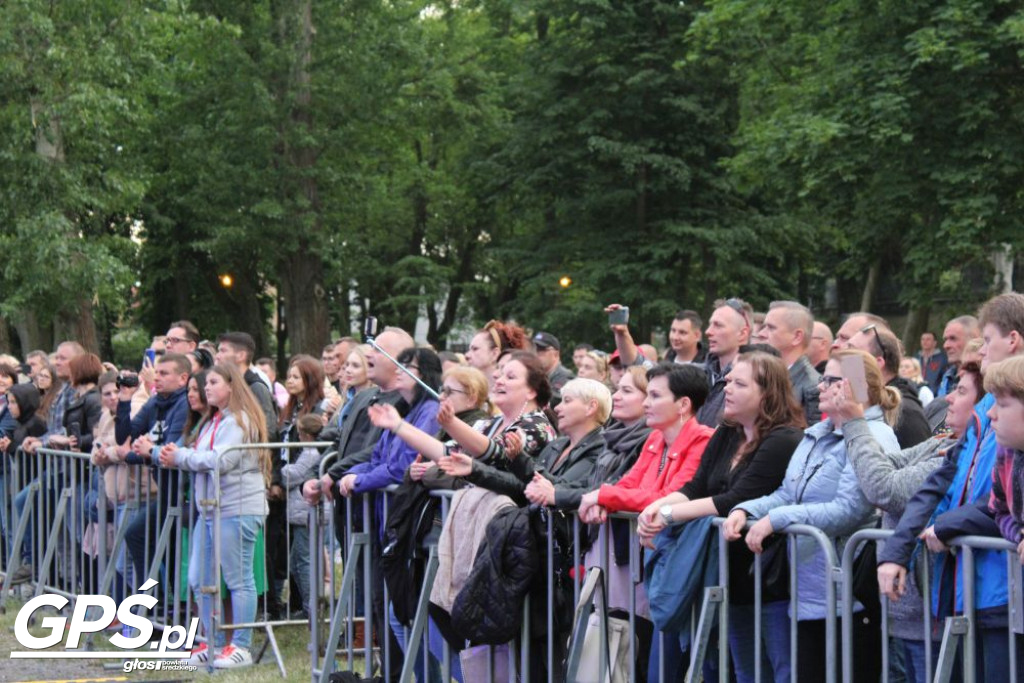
(821,489)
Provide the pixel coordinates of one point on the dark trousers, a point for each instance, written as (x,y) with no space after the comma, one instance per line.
(812,664)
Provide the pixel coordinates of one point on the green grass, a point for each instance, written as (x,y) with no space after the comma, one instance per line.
(293,642)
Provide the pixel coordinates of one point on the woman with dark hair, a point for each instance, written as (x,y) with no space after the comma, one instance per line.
(747,456)
(305,385)
(45,381)
(488,345)
(520,392)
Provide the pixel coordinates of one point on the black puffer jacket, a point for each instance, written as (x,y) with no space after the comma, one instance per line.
(489,608)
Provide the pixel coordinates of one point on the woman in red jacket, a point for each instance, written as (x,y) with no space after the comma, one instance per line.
(672,452)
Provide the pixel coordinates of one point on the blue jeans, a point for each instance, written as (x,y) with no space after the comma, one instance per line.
(775,649)
(20,501)
(914,660)
(398,628)
(237,548)
(437,643)
(298,560)
(675,646)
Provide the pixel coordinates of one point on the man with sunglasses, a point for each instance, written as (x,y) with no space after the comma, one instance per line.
(912,426)
(728,330)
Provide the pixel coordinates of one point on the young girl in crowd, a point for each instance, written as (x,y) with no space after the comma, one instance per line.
(233,418)
(302,468)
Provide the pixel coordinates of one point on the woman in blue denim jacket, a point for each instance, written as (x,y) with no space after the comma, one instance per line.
(821,489)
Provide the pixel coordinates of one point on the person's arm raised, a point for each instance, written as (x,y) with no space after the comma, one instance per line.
(386,417)
(473,442)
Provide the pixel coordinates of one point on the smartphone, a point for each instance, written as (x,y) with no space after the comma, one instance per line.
(76,433)
(619,316)
(853,370)
(370,328)
(149,358)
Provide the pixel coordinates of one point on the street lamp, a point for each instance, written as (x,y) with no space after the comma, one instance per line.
(565,281)
(226,281)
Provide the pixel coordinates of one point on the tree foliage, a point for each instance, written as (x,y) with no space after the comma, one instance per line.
(450,161)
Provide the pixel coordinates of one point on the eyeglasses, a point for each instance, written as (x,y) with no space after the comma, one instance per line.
(878,339)
(829,380)
(410,366)
(448,391)
(174,340)
(739,306)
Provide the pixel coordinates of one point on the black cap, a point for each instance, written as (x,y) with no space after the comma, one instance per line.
(545,340)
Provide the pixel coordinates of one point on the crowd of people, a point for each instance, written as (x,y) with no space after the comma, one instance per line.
(766,419)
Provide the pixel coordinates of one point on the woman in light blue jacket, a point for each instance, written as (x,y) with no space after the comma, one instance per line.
(233,418)
(821,489)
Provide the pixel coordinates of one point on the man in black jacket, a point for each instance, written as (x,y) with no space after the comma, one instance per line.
(355,437)
(912,426)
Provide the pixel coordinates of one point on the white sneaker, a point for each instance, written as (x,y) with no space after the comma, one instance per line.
(200,655)
(232,657)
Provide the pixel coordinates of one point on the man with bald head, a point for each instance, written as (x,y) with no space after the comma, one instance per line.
(728,330)
(353,433)
(789,326)
(355,437)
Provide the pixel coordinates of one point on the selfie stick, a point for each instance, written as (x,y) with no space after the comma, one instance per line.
(369,334)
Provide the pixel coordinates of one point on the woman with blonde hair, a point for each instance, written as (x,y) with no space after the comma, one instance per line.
(354,377)
(821,489)
(910,370)
(594,365)
(233,418)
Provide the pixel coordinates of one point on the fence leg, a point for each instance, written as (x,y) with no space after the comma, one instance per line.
(19,538)
(272,641)
(51,541)
(954,633)
(713,598)
(358,544)
(579,628)
(419,622)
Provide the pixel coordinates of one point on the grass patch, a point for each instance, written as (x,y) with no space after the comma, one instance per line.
(293,642)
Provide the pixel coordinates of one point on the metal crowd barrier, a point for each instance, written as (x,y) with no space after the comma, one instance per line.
(713,610)
(959,631)
(272,574)
(62,499)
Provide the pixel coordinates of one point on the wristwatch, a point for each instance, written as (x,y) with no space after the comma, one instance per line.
(666,514)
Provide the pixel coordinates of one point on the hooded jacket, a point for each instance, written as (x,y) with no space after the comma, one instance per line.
(162,418)
(28,423)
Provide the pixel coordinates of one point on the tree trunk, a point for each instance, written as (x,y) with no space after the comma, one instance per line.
(301,271)
(710,282)
(871,285)
(80,326)
(917,322)
(1002,263)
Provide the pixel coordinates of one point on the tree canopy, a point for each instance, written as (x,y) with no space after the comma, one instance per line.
(451,161)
